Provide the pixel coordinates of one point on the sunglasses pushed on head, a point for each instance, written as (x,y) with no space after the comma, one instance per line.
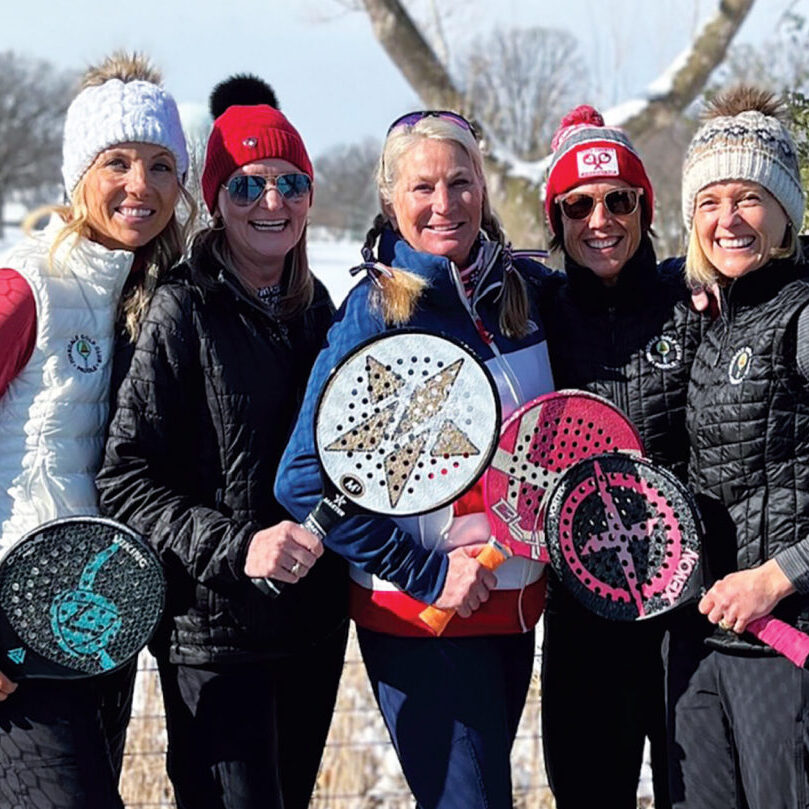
(412,118)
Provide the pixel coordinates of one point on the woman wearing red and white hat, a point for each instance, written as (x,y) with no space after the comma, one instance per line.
(620,327)
(249,682)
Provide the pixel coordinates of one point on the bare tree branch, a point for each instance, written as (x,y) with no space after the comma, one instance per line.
(33,99)
(689,74)
(516,198)
(412,54)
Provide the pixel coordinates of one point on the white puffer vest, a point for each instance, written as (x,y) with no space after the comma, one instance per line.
(54,414)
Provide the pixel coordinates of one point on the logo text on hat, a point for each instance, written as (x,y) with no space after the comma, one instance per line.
(597,161)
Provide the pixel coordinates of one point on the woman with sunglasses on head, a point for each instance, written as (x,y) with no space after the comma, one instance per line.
(740,712)
(249,681)
(451,703)
(620,327)
(73,297)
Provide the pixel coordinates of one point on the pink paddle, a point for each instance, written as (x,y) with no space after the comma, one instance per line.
(539,441)
(625,538)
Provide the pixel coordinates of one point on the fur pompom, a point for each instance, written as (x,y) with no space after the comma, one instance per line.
(743,98)
(243,89)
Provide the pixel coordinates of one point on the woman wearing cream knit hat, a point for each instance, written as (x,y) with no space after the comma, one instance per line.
(739,713)
(71,299)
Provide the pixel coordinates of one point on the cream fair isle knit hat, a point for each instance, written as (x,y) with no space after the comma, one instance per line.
(748,146)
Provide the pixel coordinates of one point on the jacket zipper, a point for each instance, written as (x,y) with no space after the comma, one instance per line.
(471,308)
(621,398)
(277,333)
(724,340)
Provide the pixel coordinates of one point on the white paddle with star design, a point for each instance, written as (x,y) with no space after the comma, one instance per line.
(406,423)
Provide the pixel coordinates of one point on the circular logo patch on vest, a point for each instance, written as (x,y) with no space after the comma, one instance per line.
(664,352)
(740,365)
(84,354)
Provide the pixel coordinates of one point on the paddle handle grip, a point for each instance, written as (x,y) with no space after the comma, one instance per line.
(319,521)
(491,557)
(789,641)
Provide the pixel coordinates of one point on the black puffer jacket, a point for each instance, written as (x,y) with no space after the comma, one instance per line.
(748,418)
(202,420)
(632,343)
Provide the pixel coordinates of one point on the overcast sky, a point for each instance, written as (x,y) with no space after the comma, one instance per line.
(332,78)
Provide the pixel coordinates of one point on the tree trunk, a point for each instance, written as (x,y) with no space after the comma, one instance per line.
(516,199)
(412,54)
(707,52)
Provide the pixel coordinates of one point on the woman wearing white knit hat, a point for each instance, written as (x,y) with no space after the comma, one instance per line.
(71,297)
(739,713)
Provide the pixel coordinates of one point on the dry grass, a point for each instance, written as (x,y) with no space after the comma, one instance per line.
(359,769)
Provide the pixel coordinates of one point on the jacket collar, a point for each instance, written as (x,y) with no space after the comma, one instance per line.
(441,274)
(762,284)
(89,259)
(634,282)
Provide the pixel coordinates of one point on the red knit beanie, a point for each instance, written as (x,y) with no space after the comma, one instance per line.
(242,135)
(584,150)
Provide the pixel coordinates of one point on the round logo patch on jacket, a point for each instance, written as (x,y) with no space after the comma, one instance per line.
(664,352)
(84,354)
(740,365)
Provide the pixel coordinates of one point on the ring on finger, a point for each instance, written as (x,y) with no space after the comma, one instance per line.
(296,568)
(726,624)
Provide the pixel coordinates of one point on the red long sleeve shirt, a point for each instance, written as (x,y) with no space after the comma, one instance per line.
(18,325)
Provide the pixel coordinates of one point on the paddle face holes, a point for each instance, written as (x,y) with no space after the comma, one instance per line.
(82,593)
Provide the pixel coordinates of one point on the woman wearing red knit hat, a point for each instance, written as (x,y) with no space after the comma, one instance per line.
(249,681)
(620,327)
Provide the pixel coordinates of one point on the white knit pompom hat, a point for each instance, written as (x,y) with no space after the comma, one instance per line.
(119,112)
(748,146)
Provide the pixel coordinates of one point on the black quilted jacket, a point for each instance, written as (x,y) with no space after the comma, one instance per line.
(748,417)
(203,418)
(632,343)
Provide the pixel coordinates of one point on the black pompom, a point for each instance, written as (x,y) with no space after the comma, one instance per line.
(243,89)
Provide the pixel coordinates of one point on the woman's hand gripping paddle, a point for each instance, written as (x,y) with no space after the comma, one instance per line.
(537,442)
(78,596)
(625,537)
(406,423)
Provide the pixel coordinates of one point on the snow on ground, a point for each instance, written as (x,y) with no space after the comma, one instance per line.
(11,234)
(330,260)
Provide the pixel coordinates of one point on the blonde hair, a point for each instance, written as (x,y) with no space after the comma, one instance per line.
(165,249)
(397,296)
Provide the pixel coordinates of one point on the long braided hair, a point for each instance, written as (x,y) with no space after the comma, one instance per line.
(397,291)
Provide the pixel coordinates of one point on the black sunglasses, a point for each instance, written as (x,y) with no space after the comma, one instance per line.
(245,189)
(619,202)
